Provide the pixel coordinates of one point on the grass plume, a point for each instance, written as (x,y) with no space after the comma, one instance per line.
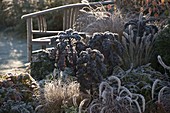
(154,86)
(111,101)
(57,94)
(93,20)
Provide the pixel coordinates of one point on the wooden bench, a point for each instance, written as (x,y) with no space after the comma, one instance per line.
(70,12)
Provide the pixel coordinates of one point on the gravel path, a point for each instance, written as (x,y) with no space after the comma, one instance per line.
(12,52)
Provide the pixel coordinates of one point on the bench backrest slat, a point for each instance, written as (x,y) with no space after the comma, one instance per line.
(30,15)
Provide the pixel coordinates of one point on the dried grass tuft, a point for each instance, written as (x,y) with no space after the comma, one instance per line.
(99,20)
(57,94)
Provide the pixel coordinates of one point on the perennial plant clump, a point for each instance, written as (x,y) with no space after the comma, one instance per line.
(18,93)
(138,40)
(148,82)
(162,48)
(90,69)
(108,44)
(140,89)
(92,20)
(60,97)
(41,60)
(116,99)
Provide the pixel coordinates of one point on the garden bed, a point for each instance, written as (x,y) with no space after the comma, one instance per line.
(121,70)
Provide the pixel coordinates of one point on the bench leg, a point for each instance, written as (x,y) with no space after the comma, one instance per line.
(29,39)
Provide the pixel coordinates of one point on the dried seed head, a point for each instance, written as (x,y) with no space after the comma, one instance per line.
(162,63)
(125,90)
(101,86)
(137,104)
(118,81)
(143,101)
(81,105)
(161,93)
(153,87)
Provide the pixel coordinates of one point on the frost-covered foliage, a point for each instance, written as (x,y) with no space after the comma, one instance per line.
(92,20)
(12,106)
(90,69)
(141,27)
(107,43)
(40,61)
(104,51)
(115,98)
(18,93)
(146,81)
(140,89)
(162,47)
(64,52)
(140,79)
(138,40)
(137,35)
(67,45)
(87,61)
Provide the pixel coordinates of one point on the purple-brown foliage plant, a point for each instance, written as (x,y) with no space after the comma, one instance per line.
(67,46)
(108,44)
(90,69)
